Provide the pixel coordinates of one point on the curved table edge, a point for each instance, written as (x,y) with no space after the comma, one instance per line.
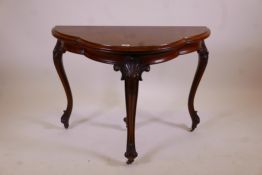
(174,45)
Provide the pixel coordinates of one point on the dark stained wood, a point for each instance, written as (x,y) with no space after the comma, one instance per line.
(131,49)
(151,44)
(202,63)
(131,72)
(131,38)
(57,57)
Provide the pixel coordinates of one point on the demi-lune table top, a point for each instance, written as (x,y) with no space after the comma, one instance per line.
(132,38)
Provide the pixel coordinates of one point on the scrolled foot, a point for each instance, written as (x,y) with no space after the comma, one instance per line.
(129,161)
(131,153)
(65,119)
(195,121)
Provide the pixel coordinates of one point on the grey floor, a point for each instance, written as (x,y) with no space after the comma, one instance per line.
(228,140)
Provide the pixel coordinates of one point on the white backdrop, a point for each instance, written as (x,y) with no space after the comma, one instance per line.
(26,42)
(31,91)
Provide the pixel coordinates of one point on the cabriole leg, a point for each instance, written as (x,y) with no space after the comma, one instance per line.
(131,70)
(202,62)
(131,91)
(58,61)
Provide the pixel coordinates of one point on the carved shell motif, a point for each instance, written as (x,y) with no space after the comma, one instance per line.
(131,69)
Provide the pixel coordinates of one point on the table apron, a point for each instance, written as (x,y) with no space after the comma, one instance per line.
(114,57)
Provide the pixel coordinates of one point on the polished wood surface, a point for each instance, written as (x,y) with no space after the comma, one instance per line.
(131,38)
(131,50)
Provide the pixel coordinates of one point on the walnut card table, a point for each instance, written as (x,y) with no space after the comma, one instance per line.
(131,49)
